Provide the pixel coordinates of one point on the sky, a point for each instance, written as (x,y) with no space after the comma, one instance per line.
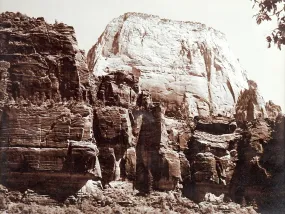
(233,17)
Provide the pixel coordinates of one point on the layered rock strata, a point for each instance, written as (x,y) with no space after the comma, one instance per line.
(167,107)
(46,129)
(190,111)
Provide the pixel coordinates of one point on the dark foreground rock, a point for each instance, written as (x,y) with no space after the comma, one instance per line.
(119,198)
(46,121)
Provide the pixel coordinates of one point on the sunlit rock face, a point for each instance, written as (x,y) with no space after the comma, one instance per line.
(194,118)
(184,64)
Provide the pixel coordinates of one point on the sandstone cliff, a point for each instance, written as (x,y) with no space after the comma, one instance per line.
(196,117)
(182,64)
(46,123)
(162,104)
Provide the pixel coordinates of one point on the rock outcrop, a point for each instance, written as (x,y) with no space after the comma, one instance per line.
(183,64)
(191,110)
(46,129)
(250,104)
(162,104)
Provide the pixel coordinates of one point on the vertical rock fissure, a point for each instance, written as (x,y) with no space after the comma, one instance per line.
(207,56)
(231,90)
(116,43)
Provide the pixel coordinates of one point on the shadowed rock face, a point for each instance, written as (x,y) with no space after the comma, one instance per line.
(46,124)
(251,105)
(198,125)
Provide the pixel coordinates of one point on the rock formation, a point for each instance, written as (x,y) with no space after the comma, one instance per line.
(182,64)
(163,104)
(194,111)
(46,130)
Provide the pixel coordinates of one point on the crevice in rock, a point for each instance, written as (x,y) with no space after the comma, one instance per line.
(231,90)
(207,55)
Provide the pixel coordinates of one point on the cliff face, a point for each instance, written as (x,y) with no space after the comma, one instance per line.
(46,124)
(183,64)
(169,108)
(195,119)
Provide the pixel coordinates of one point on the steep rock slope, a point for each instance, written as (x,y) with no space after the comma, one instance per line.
(46,122)
(183,64)
(169,108)
(193,116)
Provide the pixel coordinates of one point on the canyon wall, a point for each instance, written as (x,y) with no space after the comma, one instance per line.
(163,104)
(198,121)
(182,64)
(46,122)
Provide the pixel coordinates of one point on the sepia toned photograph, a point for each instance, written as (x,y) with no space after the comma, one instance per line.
(142,106)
